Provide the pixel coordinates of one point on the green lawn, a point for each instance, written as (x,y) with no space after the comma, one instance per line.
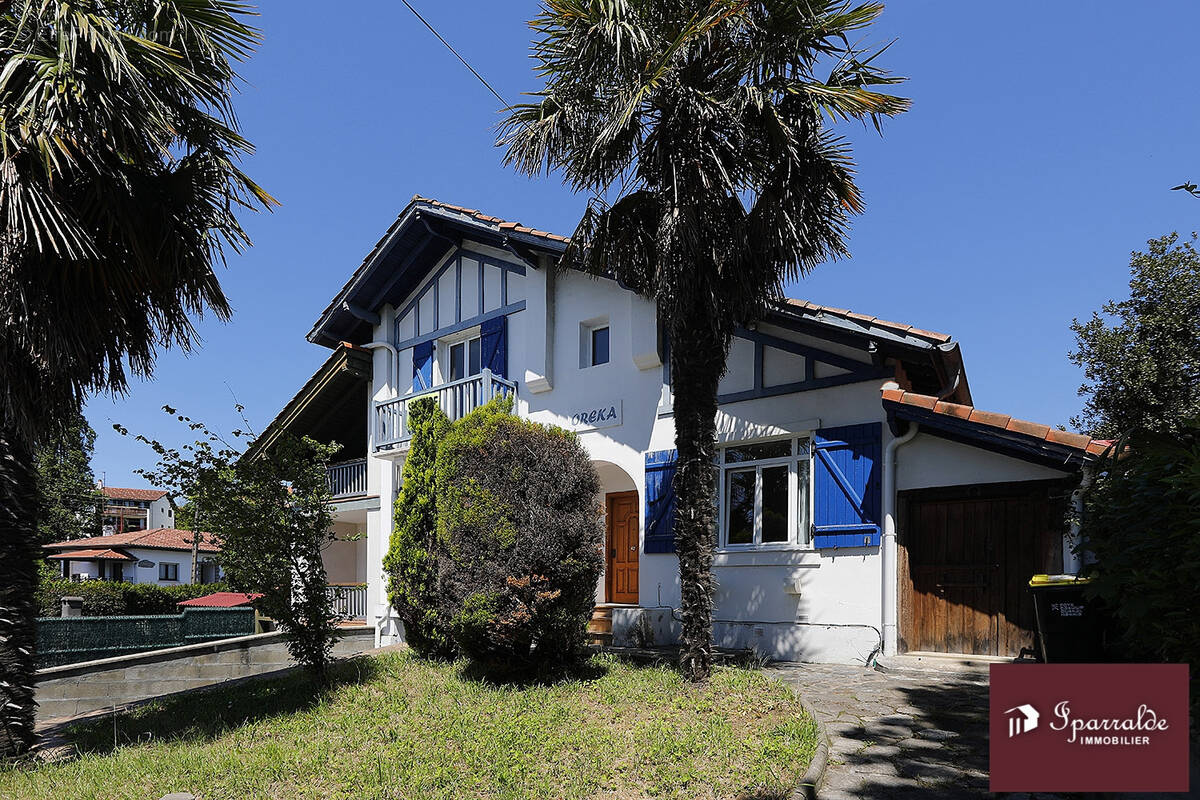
(397,727)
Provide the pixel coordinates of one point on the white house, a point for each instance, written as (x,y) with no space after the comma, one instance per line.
(865,504)
(159,555)
(134,509)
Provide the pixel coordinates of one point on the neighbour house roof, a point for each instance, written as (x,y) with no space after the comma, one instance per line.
(118,493)
(221,600)
(1030,441)
(153,539)
(94,555)
(329,407)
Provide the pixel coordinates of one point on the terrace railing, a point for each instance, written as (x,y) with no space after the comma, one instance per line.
(457,399)
(349,600)
(348,478)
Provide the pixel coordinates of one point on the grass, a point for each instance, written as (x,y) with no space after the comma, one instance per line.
(394,726)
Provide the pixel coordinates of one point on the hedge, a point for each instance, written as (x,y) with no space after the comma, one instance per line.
(116,599)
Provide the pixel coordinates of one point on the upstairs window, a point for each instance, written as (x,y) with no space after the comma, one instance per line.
(594,340)
(464,359)
(599,346)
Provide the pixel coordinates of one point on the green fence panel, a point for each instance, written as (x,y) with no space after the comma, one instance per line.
(69,640)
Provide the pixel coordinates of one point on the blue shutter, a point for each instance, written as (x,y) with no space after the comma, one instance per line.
(846,478)
(493,345)
(660,501)
(422,366)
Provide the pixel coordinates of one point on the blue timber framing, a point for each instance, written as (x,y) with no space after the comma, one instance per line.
(857,371)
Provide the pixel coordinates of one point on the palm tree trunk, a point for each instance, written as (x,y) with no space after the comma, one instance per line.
(18,608)
(698,354)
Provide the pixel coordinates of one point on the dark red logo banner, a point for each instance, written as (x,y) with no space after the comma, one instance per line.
(1089,728)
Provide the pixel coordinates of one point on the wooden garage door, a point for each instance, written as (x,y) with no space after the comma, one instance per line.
(966,556)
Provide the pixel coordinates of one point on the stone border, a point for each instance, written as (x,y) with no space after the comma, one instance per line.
(155,656)
(810,784)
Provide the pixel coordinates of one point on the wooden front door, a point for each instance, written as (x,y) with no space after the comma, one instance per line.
(621,568)
(966,557)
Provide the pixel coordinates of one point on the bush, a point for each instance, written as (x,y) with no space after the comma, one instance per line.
(109,599)
(1142,526)
(519,538)
(411,560)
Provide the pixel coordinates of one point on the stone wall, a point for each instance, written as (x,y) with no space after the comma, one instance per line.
(75,689)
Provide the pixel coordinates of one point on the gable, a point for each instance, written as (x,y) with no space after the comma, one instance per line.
(466,287)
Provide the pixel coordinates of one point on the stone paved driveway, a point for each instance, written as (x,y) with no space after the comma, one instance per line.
(898,735)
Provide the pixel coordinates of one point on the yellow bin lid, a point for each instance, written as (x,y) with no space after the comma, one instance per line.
(1057,580)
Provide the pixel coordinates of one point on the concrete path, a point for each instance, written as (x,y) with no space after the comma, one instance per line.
(898,735)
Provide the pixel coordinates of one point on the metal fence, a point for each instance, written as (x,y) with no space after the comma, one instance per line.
(69,640)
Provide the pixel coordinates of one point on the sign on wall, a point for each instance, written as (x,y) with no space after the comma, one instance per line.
(144,564)
(596,416)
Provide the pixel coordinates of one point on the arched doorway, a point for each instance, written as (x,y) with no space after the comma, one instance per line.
(619,584)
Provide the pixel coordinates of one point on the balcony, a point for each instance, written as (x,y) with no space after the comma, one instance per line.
(457,399)
(349,600)
(348,478)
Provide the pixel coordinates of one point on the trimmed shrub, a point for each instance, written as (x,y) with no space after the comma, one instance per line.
(110,599)
(411,560)
(520,538)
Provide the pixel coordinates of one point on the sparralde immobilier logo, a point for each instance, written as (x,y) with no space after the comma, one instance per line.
(1089,728)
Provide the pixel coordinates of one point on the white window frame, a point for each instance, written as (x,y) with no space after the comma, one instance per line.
(586,329)
(442,355)
(799,526)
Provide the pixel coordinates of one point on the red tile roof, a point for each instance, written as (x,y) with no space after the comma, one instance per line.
(843,313)
(1075,441)
(97,555)
(117,493)
(504,225)
(155,538)
(221,600)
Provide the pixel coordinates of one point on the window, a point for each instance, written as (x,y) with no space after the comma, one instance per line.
(168,572)
(599,347)
(464,359)
(765,494)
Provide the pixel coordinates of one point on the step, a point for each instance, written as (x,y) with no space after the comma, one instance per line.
(600,625)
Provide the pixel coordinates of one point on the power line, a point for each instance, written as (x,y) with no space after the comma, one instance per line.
(449,47)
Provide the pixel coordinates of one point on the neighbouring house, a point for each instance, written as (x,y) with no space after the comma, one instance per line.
(128,510)
(865,504)
(158,555)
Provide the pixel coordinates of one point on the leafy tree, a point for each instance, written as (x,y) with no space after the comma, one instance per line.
(118,191)
(519,539)
(69,505)
(274,524)
(411,560)
(1141,359)
(273,514)
(712,117)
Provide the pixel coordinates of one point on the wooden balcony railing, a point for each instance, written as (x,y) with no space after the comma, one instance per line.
(457,399)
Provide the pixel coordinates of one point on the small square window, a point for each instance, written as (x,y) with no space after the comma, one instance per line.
(599,348)
(168,572)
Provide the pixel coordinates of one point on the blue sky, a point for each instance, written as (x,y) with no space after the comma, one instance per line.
(1039,152)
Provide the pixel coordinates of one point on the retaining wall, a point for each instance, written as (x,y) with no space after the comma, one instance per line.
(83,688)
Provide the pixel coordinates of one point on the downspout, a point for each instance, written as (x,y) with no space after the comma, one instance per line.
(889,558)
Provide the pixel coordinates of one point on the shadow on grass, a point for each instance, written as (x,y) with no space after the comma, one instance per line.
(516,676)
(205,714)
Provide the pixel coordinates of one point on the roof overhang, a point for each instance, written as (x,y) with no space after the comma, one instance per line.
(421,235)
(329,406)
(998,433)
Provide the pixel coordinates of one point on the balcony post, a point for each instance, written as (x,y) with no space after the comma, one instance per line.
(486,388)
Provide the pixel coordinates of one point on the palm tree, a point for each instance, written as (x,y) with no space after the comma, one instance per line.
(118,187)
(711,116)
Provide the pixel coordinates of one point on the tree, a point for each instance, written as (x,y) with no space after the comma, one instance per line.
(119,187)
(275,520)
(69,505)
(273,516)
(1141,359)
(411,560)
(711,116)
